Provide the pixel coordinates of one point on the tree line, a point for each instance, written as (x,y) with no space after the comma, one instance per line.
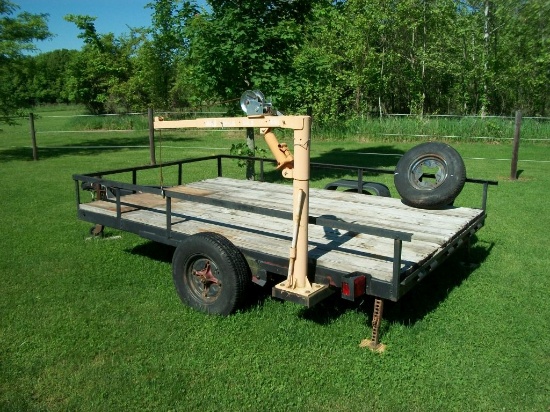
(344,59)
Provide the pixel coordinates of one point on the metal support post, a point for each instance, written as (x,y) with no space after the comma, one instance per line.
(250,169)
(515,147)
(168,217)
(33,137)
(151,136)
(296,287)
(374,342)
(301,206)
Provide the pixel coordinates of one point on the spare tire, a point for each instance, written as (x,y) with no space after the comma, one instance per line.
(430,175)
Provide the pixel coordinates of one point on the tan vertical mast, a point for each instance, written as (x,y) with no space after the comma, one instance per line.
(296,287)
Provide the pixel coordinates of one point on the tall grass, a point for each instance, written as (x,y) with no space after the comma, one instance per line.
(51,120)
(437,128)
(389,128)
(108,122)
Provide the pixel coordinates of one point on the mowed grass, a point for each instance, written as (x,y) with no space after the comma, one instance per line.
(96,325)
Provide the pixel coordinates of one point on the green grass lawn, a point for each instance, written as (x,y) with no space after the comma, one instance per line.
(96,325)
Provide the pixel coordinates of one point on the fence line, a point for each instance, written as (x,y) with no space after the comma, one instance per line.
(91,131)
(119,130)
(150,121)
(226,148)
(92,115)
(376,134)
(132,147)
(223,113)
(463,116)
(468,158)
(119,114)
(458,137)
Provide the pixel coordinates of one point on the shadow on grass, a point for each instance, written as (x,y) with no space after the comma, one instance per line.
(154,250)
(384,156)
(418,302)
(379,156)
(427,296)
(411,308)
(90,147)
(518,173)
(255,296)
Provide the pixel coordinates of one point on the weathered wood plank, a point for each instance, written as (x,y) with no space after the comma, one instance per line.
(331,248)
(353,208)
(337,254)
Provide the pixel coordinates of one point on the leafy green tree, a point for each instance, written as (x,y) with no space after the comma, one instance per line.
(320,74)
(360,57)
(346,59)
(168,44)
(247,45)
(504,56)
(521,67)
(97,71)
(48,82)
(129,88)
(17,36)
(377,57)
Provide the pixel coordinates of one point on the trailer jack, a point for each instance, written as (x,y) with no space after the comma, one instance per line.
(374,343)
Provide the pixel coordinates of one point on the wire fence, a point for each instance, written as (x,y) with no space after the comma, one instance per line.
(397,127)
(458,116)
(111,122)
(443,127)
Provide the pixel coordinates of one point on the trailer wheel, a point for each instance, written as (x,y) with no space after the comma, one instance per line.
(430,175)
(210,273)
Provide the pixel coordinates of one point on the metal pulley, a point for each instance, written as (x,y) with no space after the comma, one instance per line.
(254,104)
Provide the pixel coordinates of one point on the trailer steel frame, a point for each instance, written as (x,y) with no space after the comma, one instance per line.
(262,263)
(313,274)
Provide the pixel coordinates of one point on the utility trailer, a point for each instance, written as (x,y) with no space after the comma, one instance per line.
(229,232)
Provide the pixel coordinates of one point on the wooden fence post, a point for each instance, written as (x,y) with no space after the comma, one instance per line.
(33,137)
(515,148)
(151,135)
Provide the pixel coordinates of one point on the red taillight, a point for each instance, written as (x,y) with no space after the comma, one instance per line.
(353,286)
(345,289)
(359,286)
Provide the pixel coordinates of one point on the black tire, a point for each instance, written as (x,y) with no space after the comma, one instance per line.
(374,189)
(430,176)
(210,273)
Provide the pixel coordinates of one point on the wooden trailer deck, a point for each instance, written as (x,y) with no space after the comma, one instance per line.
(345,251)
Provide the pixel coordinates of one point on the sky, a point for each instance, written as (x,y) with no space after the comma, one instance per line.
(115,16)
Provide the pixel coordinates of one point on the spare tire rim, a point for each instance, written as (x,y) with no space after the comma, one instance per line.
(202,279)
(428,172)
